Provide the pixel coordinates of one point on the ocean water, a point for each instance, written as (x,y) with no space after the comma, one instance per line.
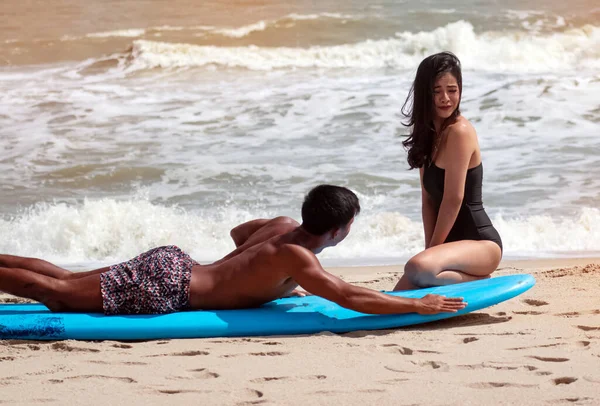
(127,125)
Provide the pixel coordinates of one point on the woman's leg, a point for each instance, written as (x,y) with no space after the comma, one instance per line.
(453,262)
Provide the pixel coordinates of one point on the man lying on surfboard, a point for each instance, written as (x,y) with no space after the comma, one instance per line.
(272,257)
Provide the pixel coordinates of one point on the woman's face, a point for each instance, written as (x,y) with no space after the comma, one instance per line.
(446,95)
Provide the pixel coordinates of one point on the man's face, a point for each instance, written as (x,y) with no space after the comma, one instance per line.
(342,233)
(336,237)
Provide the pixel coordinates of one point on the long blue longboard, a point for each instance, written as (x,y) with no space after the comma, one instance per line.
(305,315)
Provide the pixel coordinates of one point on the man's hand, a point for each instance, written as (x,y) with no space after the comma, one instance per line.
(432,304)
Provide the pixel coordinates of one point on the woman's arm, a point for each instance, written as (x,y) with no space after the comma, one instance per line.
(428,212)
(460,146)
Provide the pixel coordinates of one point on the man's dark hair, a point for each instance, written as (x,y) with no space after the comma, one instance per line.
(327,207)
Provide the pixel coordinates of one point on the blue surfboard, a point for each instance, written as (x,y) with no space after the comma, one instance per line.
(299,315)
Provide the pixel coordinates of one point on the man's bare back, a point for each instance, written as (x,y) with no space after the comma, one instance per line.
(253,274)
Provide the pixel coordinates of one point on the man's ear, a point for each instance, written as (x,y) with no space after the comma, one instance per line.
(334,233)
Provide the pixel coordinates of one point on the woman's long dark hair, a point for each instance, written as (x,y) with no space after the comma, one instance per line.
(421,112)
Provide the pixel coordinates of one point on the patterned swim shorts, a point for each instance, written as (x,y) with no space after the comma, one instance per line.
(157,281)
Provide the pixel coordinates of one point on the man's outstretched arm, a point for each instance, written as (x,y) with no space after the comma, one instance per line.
(306,270)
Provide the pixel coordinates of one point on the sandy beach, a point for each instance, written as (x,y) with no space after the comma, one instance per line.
(542,347)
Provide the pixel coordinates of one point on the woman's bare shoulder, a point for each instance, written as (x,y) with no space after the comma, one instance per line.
(461,126)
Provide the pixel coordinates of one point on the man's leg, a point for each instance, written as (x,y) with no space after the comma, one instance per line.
(38,266)
(46,268)
(76,295)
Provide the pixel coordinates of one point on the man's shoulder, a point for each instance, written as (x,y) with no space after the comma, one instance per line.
(284,220)
(281,225)
(297,255)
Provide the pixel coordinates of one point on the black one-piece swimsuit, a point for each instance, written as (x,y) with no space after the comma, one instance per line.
(472,222)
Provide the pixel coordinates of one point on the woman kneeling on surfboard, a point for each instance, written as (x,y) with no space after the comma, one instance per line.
(461,244)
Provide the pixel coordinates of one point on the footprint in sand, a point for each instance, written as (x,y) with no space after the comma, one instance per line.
(177,391)
(255,397)
(572,400)
(566,380)
(372,390)
(433,364)
(236,340)
(497,367)
(399,349)
(536,346)
(588,328)
(288,378)
(124,346)
(256,354)
(268,354)
(568,314)
(583,344)
(490,385)
(105,377)
(577,313)
(270,379)
(328,392)
(49,371)
(549,359)
(470,339)
(393,381)
(533,302)
(204,373)
(181,354)
(9,380)
(529,313)
(395,348)
(189,353)
(69,348)
(397,370)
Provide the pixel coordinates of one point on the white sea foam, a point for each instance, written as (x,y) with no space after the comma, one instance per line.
(242,31)
(336,16)
(490,51)
(107,230)
(130,33)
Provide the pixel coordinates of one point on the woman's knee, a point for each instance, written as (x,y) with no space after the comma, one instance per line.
(420,270)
